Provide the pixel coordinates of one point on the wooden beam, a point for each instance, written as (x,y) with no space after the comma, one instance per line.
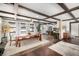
(55,18)
(34,18)
(24,16)
(66,9)
(75,8)
(33,11)
(71,19)
(52,15)
(13,18)
(36,12)
(43,22)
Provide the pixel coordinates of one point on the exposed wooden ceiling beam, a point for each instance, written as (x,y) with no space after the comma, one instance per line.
(70,19)
(35,18)
(33,11)
(26,16)
(11,18)
(66,9)
(52,15)
(36,12)
(42,22)
(75,8)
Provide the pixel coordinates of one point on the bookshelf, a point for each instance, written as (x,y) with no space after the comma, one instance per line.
(19,27)
(32,27)
(22,26)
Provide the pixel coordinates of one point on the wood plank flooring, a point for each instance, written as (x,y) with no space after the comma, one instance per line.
(43,50)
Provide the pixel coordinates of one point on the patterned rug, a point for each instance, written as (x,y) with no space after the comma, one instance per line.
(65,49)
(26,44)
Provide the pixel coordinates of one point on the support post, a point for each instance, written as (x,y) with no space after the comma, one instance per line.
(60,30)
(0,29)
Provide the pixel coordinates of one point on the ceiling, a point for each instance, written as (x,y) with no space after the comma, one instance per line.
(50,12)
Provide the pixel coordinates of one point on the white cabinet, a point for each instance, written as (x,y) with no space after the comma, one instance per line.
(32,27)
(22,27)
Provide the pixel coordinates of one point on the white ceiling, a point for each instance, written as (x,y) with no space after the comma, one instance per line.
(45,8)
(7,7)
(50,19)
(64,16)
(72,5)
(28,13)
(12,16)
(76,13)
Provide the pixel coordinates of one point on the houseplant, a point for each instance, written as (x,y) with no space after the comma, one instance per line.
(5,30)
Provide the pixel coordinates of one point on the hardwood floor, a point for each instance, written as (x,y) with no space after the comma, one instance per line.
(43,50)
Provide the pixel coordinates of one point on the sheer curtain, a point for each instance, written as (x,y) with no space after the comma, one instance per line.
(75,29)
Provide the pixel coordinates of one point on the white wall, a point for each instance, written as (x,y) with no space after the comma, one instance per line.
(67,26)
(66,23)
(44,28)
(75,29)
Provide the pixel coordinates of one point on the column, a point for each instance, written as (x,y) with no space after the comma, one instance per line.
(15,11)
(0,29)
(60,30)
(15,18)
(78,29)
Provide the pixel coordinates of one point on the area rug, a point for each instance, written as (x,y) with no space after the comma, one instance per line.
(65,49)
(26,44)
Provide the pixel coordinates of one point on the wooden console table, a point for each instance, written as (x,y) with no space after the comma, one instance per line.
(21,38)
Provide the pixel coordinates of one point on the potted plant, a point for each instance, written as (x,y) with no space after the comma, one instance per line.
(5,30)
